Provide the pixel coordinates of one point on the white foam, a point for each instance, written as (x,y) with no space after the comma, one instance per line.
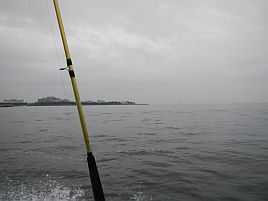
(51,191)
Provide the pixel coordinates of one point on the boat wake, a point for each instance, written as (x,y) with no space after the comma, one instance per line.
(51,190)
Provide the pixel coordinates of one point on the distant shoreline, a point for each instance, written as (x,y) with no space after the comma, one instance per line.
(54,101)
(83,103)
(65,104)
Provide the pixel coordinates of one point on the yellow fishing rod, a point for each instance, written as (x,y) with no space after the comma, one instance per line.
(92,166)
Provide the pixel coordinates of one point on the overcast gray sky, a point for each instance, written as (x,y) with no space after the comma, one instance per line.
(153,51)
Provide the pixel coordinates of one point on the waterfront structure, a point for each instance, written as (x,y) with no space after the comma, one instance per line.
(13,101)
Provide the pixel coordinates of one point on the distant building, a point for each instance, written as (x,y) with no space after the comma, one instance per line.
(13,101)
(52,99)
(89,101)
(128,103)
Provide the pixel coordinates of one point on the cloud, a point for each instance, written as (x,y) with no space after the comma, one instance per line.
(152,50)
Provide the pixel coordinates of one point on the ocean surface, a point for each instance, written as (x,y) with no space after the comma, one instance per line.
(143,153)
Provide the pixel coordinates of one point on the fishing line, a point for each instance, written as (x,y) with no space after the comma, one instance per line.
(67,113)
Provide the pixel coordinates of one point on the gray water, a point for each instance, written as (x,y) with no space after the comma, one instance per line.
(144,153)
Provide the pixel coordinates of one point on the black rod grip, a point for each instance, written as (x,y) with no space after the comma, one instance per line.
(95,178)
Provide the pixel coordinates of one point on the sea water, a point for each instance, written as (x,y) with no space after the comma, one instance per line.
(144,153)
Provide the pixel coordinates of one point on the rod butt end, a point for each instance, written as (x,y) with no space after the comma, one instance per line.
(95,178)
